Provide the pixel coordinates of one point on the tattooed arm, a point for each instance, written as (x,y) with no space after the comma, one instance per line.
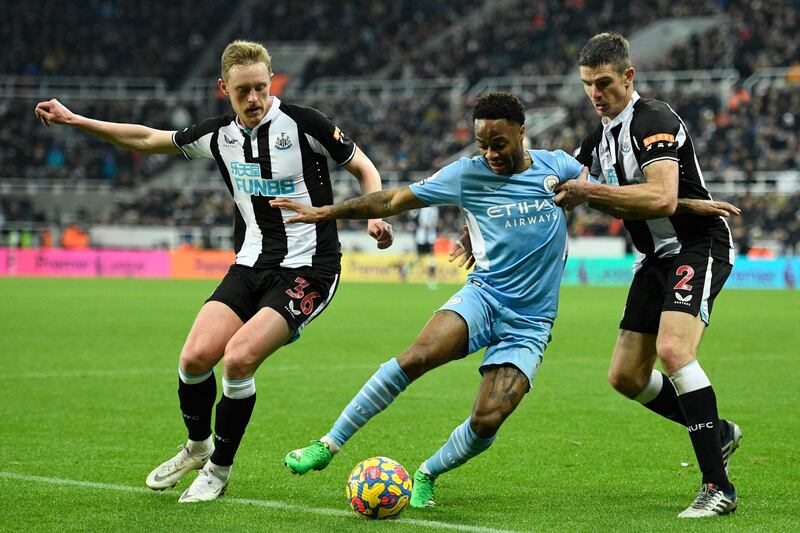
(378,204)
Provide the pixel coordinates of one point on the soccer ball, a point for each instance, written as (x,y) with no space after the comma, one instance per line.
(378,488)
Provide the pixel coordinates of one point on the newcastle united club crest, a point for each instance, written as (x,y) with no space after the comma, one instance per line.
(283,142)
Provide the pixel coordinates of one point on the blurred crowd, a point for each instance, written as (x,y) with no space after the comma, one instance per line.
(404,132)
(106,37)
(753,129)
(362,35)
(749,132)
(28,150)
(754,35)
(765,218)
(751,35)
(409,38)
(503,43)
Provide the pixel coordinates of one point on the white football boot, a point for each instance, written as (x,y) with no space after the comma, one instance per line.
(711,501)
(168,473)
(209,485)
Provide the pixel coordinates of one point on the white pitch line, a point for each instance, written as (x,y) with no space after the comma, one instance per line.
(272,504)
(82,373)
(162,370)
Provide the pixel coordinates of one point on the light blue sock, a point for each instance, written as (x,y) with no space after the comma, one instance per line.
(463,445)
(375,396)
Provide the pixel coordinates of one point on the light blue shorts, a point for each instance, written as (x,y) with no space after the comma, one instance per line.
(509,338)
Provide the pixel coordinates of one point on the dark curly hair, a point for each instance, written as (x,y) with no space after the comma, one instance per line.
(495,106)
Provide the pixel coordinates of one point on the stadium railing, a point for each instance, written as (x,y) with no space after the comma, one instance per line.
(568,87)
(773,77)
(80,87)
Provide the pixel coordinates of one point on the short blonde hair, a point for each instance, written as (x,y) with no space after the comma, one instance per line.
(244,53)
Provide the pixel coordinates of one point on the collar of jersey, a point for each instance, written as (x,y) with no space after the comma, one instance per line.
(273,110)
(608,124)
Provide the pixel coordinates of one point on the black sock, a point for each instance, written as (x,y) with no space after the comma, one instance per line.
(196,402)
(700,409)
(666,403)
(232,418)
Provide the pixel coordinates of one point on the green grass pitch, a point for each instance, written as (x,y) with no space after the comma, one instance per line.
(88,407)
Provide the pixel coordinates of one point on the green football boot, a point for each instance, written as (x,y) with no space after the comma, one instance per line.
(314,457)
(422,491)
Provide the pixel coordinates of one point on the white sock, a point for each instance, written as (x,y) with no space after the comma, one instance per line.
(330,443)
(690,378)
(199,447)
(222,472)
(651,390)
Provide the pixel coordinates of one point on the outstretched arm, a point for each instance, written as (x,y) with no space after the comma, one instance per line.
(656,197)
(377,204)
(370,180)
(703,208)
(130,136)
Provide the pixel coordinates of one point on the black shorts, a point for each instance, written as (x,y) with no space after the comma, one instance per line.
(424,248)
(687,282)
(298,294)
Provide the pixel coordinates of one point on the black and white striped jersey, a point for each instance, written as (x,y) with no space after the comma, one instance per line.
(618,150)
(285,155)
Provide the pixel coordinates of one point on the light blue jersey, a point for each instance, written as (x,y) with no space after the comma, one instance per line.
(518,233)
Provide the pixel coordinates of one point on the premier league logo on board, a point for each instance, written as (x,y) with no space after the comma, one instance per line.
(550,183)
(283,142)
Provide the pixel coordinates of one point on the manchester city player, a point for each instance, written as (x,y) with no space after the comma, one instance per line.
(508,304)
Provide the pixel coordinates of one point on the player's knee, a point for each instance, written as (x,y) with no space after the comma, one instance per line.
(237,368)
(625,383)
(196,359)
(414,361)
(239,362)
(418,359)
(486,423)
(673,353)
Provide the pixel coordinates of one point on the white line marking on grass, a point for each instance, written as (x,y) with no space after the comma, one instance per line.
(78,373)
(83,373)
(272,504)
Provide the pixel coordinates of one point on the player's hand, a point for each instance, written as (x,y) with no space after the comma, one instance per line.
(462,248)
(53,112)
(382,232)
(710,208)
(305,213)
(572,193)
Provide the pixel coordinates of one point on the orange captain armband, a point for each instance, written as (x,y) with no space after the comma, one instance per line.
(668,137)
